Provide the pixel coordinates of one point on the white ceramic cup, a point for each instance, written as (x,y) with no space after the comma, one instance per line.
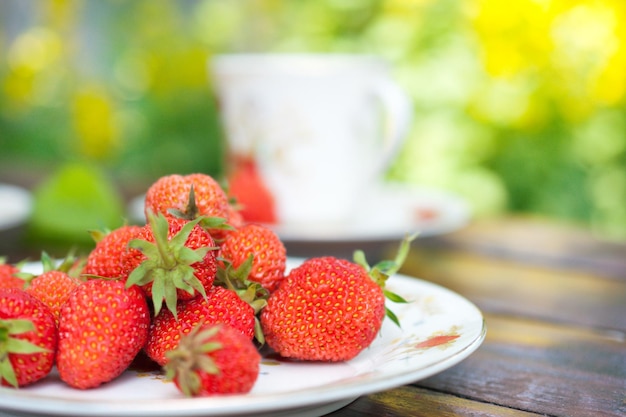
(320,127)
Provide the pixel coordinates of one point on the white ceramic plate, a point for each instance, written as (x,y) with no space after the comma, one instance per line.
(15,206)
(439,329)
(388,213)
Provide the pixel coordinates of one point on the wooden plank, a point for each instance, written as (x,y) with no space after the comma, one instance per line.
(542,368)
(509,287)
(539,241)
(420,402)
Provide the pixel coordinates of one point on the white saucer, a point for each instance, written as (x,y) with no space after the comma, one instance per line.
(15,206)
(388,213)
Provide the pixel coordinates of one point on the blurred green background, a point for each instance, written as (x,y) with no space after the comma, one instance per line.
(519,105)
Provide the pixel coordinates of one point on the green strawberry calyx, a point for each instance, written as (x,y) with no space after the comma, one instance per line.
(68,266)
(192,212)
(192,355)
(9,344)
(168,263)
(384,269)
(253,293)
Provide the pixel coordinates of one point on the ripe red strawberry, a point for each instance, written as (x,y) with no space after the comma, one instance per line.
(8,278)
(105,260)
(54,285)
(102,327)
(28,338)
(172,259)
(52,288)
(172,192)
(269,255)
(246,186)
(214,360)
(329,309)
(220,306)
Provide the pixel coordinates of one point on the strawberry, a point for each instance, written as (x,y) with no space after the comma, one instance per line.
(329,309)
(269,255)
(28,338)
(220,306)
(8,277)
(53,288)
(54,285)
(246,186)
(172,259)
(172,193)
(214,360)
(102,327)
(105,260)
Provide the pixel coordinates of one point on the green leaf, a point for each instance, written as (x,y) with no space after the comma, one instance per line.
(215,223)
(17,326)
(158,294)
(392,296)
(46,262)
(243,271)
(178,241)
(207,364)
(258,305)
(67,263)
(379,277)
(359,258)
(181,279)
(141,275)
(171,299)
(7,372)
(23,346)
(160,227)
(191,210)
(193,384)
(189,256)
(392,316)
(403,251)
(386,265)
(204,333)
(209,346)
(149,249)
(386,268)
(197,285)
(258,332)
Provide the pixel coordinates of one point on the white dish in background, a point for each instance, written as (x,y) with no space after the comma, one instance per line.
(439,329)
(15,206)
(387,214)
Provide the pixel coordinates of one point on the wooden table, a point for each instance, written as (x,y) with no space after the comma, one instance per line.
(554,300)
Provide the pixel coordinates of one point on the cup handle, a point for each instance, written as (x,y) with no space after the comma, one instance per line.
(398,113)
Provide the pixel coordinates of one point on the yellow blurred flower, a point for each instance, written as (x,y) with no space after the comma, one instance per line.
(29,57)
(18,86)
(570,53)
(95,123)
